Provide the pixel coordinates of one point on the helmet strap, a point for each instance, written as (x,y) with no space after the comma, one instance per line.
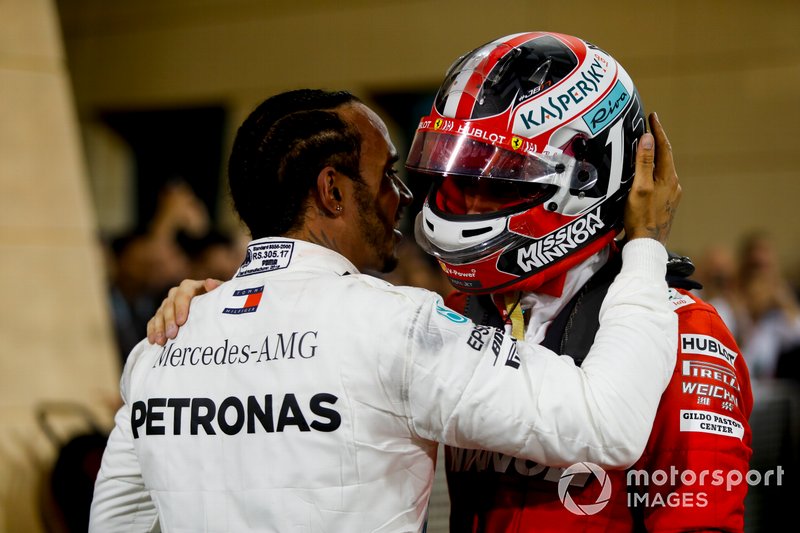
(514,313)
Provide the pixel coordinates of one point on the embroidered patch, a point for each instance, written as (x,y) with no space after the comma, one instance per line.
(708,422)
(266,257)
(250,303)
(678,299)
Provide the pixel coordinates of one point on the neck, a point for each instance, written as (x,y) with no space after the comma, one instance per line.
(321,236)
(330,233)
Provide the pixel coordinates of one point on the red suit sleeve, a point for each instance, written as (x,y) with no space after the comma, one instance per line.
(693,473)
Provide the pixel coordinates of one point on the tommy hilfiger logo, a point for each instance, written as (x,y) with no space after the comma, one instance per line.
(251,302)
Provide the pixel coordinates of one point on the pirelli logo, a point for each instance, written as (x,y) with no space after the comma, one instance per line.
(704,370)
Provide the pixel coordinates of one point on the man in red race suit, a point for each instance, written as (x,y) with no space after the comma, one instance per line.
(530,145)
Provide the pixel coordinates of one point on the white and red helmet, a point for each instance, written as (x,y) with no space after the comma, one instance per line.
(544,124)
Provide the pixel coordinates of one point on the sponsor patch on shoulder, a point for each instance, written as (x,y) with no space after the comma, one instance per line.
(266,257)
(678,299)
(710,371)
(250,305)
(707,345)
(708,422)
(450,315)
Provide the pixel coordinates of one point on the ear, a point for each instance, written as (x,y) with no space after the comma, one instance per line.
(329,191)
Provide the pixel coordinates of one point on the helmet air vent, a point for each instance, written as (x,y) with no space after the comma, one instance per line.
(467,233)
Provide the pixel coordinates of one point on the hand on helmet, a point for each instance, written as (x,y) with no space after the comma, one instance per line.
(655,193)
(174,309)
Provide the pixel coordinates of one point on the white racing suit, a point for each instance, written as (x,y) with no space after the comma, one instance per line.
(302,396)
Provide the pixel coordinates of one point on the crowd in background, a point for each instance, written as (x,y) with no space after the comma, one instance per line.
(757,302)
(179,242)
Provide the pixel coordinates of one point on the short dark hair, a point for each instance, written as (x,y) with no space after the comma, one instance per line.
(280,149)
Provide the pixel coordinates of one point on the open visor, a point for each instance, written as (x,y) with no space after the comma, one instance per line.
(445,154)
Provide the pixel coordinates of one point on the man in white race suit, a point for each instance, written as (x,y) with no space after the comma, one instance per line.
(302,395)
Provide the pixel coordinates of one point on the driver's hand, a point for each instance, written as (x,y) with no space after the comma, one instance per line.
(174,309)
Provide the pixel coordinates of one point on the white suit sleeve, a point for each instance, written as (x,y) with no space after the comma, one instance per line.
(474,387)
(121,503)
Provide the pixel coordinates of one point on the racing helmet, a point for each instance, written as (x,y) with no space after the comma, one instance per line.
(531,145)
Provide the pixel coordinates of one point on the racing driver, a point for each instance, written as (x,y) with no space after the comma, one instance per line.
(531,144)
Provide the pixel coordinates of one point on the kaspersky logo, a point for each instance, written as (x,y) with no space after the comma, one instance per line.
(540,114)
(590,508)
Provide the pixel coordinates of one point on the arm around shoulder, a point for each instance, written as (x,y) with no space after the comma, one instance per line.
(633,356)
(521,399)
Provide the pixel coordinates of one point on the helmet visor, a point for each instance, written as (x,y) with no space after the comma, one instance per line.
(444,154)
(467,195)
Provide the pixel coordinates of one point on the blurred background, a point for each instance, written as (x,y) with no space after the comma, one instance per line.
(116,118)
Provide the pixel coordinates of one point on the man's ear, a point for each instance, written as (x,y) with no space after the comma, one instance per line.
(329,191)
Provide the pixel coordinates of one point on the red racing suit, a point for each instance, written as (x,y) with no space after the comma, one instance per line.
(691,477)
